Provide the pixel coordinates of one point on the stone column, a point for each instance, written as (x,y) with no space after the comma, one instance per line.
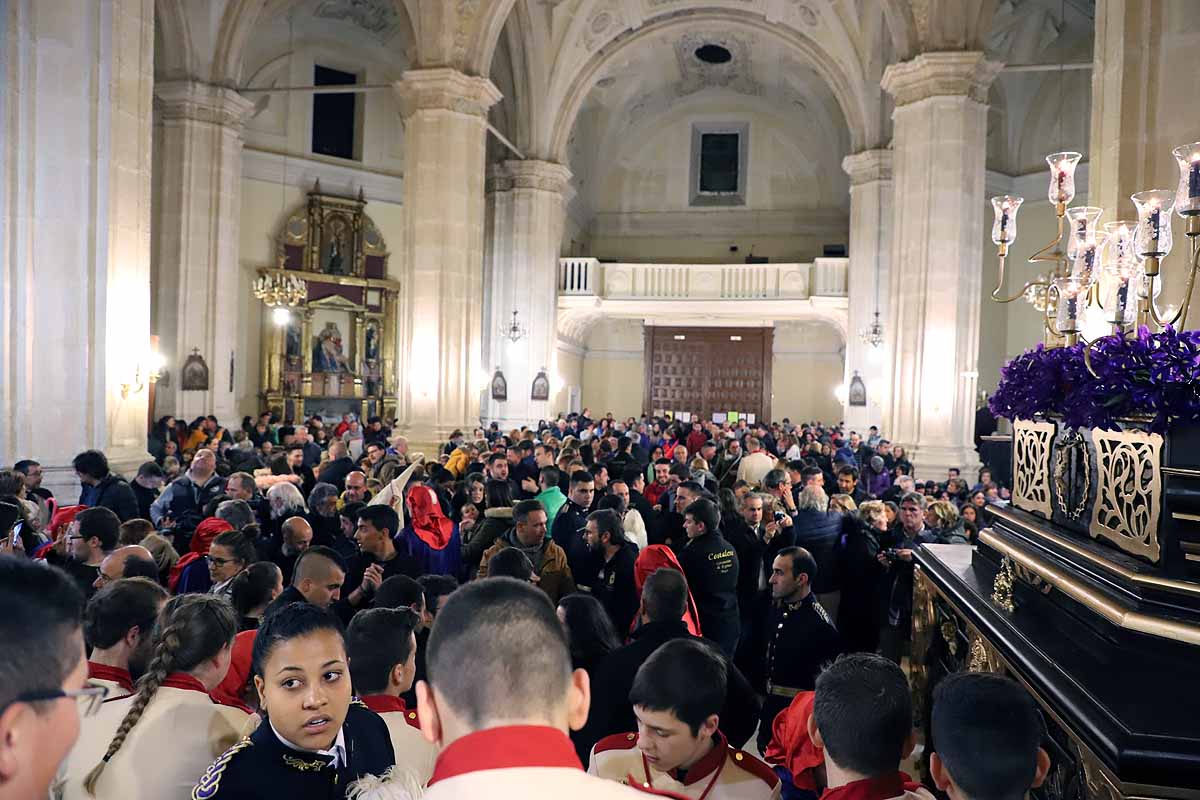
(441,304)
(939,144)
(196,267)
(525,226)
(870,268)
(75,123)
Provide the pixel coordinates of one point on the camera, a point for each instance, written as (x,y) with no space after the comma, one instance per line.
(892,553)
(780,516)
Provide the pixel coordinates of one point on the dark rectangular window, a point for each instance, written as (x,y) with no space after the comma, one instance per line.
(334,115)
(719,162)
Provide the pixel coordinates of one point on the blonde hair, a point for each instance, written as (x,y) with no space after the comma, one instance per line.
(944,512)
(843,502)
(872,509)
(190,629)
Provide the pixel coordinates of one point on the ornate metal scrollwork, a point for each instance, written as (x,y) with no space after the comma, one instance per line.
(924,621)
(1071,449)
(1031,468)
(1002,586)
(984,657)
(1129,490)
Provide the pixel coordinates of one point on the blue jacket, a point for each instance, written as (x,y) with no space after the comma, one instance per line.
(818,532)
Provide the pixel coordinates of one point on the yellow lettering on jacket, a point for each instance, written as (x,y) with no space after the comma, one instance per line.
(721,556)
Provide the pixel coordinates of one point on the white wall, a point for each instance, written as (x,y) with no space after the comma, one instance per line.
(614,367)
(808,364)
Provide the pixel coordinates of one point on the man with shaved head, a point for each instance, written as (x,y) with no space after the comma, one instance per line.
(131,561)
(295,536)
(356,490)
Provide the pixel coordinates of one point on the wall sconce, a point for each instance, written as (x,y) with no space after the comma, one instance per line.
(145,373)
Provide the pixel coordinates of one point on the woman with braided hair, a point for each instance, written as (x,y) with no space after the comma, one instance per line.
(153,744)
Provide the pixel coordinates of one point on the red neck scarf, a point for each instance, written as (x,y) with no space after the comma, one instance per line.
(884,787)
(505,748)
(181,680)
(427,519)
(103,672)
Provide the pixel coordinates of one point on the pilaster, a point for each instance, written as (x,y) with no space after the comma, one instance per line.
(526,214)
(870,173)
(442,375)
(939,148)
(196,241)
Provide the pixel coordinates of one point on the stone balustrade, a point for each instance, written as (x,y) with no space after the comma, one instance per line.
(588,277)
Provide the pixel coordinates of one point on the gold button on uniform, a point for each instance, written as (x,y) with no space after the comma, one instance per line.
(631,736)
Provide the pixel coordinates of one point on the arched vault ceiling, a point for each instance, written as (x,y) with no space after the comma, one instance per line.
(784,48)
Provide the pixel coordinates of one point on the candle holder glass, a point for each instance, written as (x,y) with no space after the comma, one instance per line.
(1004,225)
(1081,224)
(1187,196)
(1062,176)
(1153,235)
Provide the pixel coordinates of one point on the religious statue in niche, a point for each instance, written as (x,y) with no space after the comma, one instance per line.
(328,355)
(292,344)
(541,387)
(371,343)
(858,391)
(336,254)
(499,386)
(193,377)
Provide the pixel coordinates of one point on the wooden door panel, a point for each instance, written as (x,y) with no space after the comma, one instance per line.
(706,370)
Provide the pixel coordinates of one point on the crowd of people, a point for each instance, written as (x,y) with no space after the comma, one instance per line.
(591,606)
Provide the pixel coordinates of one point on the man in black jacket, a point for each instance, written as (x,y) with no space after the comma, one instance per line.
(614,585)
(101,488)
(340,465)
(568,528)
(663,604)
(711,567)
(756,540)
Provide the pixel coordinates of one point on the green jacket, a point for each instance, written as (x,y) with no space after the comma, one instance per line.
(553,499)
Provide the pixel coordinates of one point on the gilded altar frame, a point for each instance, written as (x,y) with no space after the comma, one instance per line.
(332,245)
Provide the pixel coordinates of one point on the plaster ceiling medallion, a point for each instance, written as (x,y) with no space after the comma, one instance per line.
(699,73)
(603,24)
(374,16)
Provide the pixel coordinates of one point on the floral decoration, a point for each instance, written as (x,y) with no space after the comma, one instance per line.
(1149,375)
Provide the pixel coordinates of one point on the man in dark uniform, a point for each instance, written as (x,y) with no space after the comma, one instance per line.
(568,528)
(614,585)
(711,567)
(793,637)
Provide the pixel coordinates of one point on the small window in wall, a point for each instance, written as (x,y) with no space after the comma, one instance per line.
(719,156)
(335,116)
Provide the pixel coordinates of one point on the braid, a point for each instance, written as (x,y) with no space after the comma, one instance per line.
(160,666)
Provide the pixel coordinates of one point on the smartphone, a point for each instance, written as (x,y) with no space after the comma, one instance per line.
(10,514)
(16,533)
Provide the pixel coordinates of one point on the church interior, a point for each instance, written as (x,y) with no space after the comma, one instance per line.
(453,213)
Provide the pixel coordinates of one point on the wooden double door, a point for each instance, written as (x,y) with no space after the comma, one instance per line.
(708,370)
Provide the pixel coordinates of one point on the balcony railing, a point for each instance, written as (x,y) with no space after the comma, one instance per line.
(587,277)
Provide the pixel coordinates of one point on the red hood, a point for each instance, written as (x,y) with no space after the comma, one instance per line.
(427,519)
(206,531)
(653,558)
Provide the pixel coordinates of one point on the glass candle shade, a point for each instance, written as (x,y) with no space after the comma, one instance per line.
(1120,295)
(1153,235)
(1120,251)
(1086,263)
(1004,227)
(1072,293)
(1187,196)
(1062,176)
(1082,225)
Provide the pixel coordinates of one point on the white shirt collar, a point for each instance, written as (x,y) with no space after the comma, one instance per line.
(338,751)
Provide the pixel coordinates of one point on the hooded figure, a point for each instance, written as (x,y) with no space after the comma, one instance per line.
(182,579)
(653,558)
(430,536)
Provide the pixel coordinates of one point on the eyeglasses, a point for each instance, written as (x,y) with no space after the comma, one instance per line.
(89,698)
(220,562)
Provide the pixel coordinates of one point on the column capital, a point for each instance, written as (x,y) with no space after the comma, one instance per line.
(202,102)
(545,176)
(967,73)
(445,89)
(868,166)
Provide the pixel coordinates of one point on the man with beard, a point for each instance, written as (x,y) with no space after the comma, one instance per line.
(117,623)
(614,585)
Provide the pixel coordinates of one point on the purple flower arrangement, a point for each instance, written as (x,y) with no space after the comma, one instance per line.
(1150,375)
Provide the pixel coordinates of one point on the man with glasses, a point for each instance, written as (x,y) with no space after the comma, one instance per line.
(84,544)
(42,674)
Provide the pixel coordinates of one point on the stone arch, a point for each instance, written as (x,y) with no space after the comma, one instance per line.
(487,36)
(238,23)
(176,56)
(846,89)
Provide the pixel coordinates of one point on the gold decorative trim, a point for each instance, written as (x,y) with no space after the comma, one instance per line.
(924,622)
(1002,586)
(1032,443)
(1182,472)
(1182,517)
(1129,490)
(1123,572)
(1114,612)
(984,657)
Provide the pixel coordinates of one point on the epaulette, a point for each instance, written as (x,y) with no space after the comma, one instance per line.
(354,701)
(754,765)
(617,741)
(210,781)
